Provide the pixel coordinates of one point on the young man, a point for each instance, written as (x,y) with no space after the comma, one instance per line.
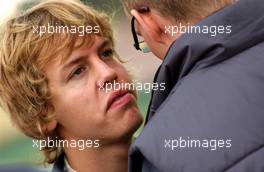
(56,61)
(211,115)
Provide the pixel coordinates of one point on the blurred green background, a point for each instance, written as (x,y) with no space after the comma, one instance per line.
(17,148)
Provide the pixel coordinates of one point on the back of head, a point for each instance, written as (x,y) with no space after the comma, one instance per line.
(179,10)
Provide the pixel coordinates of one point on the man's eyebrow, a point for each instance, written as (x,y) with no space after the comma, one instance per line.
(104,44)
(71,63)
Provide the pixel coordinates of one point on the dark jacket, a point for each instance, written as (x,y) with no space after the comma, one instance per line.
(214,91)
(59,165)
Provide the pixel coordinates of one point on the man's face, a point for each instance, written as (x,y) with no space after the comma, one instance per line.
(82,108)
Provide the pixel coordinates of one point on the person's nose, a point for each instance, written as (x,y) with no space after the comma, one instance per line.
(105,74)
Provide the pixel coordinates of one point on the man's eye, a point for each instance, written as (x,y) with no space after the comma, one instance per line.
(77,72)
(107,53)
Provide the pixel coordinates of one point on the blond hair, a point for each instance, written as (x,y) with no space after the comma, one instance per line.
(179,10)
(24,89)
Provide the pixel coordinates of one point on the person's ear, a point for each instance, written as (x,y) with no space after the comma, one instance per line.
(50,126)
(148,24)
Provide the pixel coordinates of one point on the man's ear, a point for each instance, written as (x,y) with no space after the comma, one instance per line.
(50,126)
(148,24)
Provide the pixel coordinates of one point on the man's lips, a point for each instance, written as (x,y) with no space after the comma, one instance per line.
(119,98)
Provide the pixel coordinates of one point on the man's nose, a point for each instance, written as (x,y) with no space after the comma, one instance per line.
(105,73)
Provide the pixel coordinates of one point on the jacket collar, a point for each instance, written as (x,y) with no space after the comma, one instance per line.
(59,165)
(192,52)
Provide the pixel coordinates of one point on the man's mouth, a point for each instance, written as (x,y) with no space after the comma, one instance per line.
(118,99)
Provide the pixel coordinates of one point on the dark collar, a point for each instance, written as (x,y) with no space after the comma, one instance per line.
(192,52)
(59,165)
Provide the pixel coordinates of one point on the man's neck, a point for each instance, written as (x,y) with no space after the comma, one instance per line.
(110,157)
